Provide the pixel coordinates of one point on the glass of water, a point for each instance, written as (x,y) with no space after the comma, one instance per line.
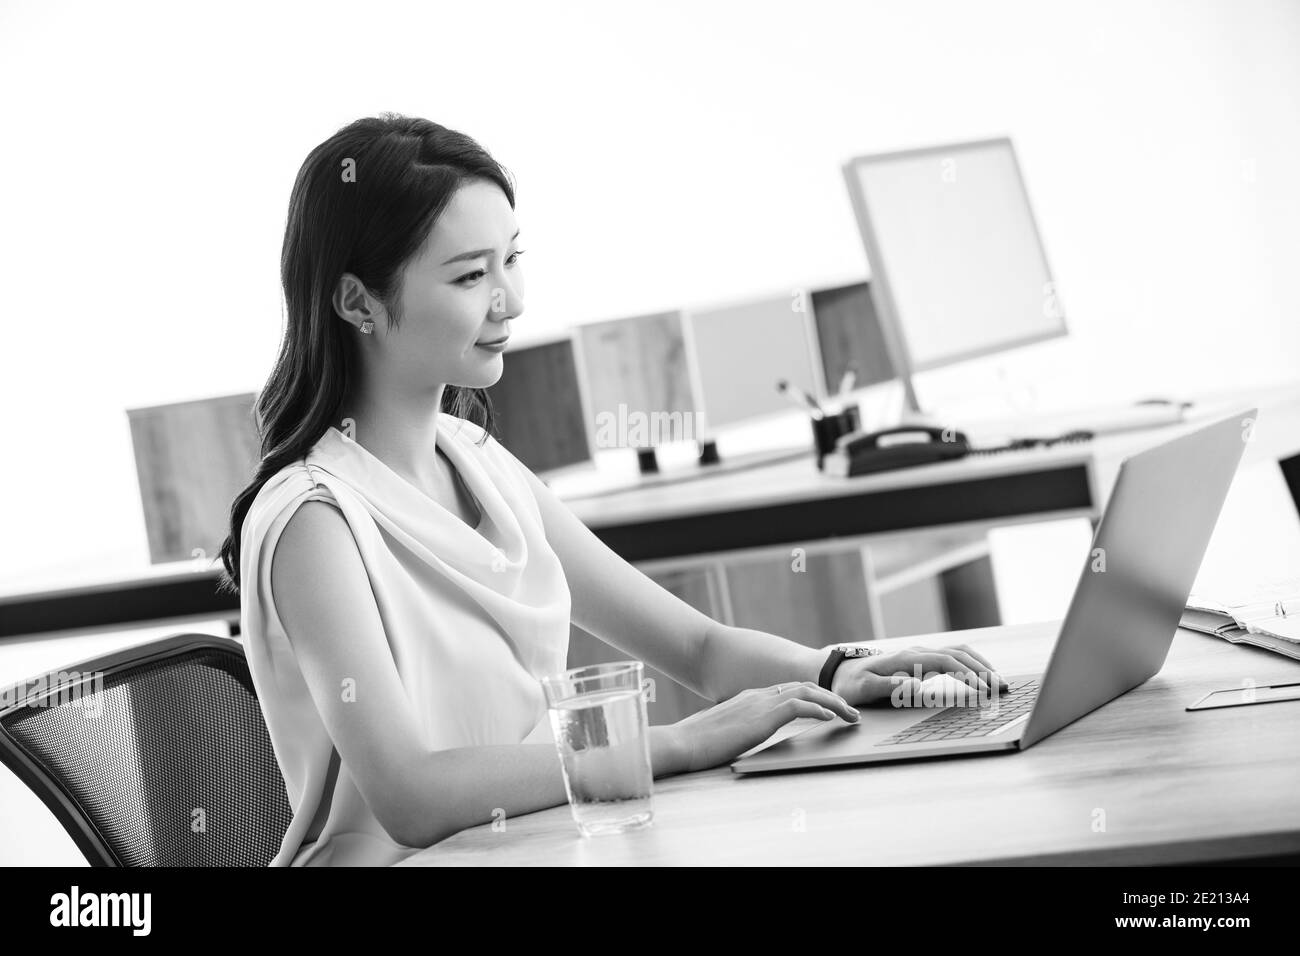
(598,714)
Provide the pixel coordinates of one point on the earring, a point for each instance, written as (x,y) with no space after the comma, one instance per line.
(367,327)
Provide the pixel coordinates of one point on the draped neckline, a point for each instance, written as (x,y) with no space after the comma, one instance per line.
(481,489)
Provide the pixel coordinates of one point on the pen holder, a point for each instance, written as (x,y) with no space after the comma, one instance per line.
(829,428)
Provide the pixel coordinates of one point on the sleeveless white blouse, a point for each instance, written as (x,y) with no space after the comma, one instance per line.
(473,616)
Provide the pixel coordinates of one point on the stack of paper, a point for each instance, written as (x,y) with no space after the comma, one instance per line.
(1266,616)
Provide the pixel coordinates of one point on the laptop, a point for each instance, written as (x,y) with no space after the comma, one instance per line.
(1116,634)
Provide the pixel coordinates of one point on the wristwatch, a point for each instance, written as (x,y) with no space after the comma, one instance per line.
(838,653)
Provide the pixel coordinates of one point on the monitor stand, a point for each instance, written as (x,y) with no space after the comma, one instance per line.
(1004,396)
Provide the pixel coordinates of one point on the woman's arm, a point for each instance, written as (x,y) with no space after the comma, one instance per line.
(625,608)
(419,795)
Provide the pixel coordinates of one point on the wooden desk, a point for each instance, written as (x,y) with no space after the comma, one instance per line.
(1169,786)
(771,507)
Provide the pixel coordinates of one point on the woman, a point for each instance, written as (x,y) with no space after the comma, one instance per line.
(404,579)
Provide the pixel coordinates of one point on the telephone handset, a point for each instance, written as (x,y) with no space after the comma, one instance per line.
(868,452)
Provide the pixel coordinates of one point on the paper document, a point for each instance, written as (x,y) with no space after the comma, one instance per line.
(1272,607)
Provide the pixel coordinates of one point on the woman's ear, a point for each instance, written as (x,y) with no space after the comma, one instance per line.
(354,304)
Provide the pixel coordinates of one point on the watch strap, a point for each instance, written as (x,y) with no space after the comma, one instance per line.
(828,669)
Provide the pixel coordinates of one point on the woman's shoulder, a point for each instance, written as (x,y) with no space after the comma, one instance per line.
(279,500)
(294,482)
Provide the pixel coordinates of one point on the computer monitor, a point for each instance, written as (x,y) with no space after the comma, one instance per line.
(849,337)
(192,459)
(541,407)
(958,268)
(739,353)
(639,386)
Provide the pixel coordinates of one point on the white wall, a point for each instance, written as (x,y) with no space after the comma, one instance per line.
(683,153)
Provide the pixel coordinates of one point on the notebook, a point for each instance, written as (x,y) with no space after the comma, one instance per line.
(1266,616)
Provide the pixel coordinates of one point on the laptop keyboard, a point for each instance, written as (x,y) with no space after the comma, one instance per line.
(955,723)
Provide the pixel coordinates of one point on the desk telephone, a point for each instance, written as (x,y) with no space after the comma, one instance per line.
(868,452)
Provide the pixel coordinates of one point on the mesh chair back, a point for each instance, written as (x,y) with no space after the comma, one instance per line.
(153,756)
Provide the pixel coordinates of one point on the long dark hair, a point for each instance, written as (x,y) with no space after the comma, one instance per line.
(370,224)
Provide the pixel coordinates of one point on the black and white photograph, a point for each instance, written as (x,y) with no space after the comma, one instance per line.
(713,434)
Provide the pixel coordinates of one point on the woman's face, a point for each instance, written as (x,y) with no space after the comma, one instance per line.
(459,292)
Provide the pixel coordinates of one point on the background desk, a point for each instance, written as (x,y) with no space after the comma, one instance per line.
(1170,787)
(772,508)
(793,501)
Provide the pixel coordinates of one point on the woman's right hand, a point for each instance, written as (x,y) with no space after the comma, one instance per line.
(726,730)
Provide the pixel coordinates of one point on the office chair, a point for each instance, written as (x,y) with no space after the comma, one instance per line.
(156,755)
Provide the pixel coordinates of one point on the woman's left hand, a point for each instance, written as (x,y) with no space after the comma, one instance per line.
(874,680)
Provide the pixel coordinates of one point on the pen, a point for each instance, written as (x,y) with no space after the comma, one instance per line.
(794,393)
